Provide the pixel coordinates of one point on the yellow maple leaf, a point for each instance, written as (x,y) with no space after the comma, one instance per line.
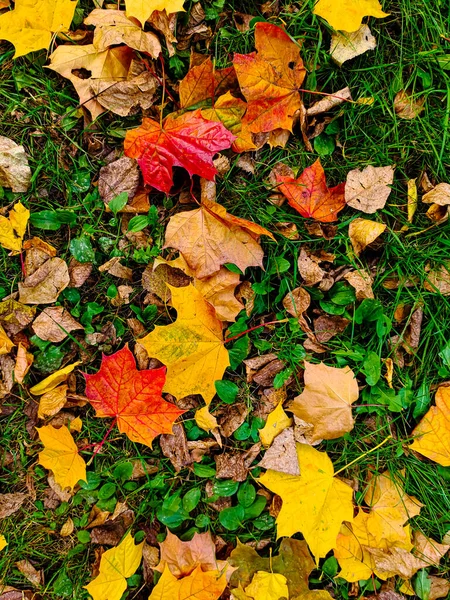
(32,23)
(346,15)
(276,422)
(3,542)
(52,381)
(13,227)
(142,9)
(433,431)
(116,565)
(6,345)
(315,503)
(60,455)
(191,348)
(270,586)
(199,585)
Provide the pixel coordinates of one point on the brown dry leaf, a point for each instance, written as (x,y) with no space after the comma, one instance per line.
(408,105)
(7,372)
(438,195)
(437,214)
(67,528)
(123,295)
(287,230)
(309,269)
(35,577)
(37,253)
(52,402)
(15,172)
(324,230)
(174,447)
(115,268)
(327,327)
(329,102)
(231,418)
(24,360)
(235,464)
(438,280)
(165,24)
(46,283)
(439,587)
(282,454)
(114,528)
(326,400)
(363,232)
(345,46)
(15,316)
(369,189)
(54,323)
(361,281)
(297,302)
(78,272)
(411,337)
(265,376)
(10,503)
(117,177)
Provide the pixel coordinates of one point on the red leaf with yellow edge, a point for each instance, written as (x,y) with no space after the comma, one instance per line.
(132,397)
(270,79)
(310,196)
(188,141)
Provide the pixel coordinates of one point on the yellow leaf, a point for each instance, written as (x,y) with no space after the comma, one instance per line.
(433,431)
(406,588)
(363,232)
(268,586)
(60,455)
(191,348)
(326,400)
(346,15)
(12,228)
(116,565)
(76,424)
(142,9)
(205,420)
(276,422)
(52,402)
(315,503)
(6,345)
(412,199)
(3,542)
(199,585)
(53,380)
(32,22)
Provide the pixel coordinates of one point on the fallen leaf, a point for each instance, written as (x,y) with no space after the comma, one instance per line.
(115,268)
(361,281)
(199,585)
(326,400)
(143,9)
(32,22)
(270,79)
(326,327)
(13,227)
(348,14)
(329,102)
(276,422)
(118,177)
(438,280)
(78,272)
(432,434)
(270,586)
(205,420)
(54,323)
(60,455)
(363,232)
(10,503)
(15,172)
(235,464)
(282,454)
(407,105)
(24,360)
(345,46)
(15,316)
(438,195)
(309,268)
(46,283)
(52,402)
(116,565)
(188,141)
(3,542)
(310,196)
(412,198)
(52,381)
(112,530)
(209,236)
(368,190)
(315,503)
(133,398)
(35,577)
(439,587)
(6,345)
(174,447)
(192,347)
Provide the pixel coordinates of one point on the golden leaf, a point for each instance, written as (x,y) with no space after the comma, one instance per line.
(363,232)
(12,228)
(276,422)
(199,585)
(346,15)
(60,455)
(433,431)
(143,9)
(49,383)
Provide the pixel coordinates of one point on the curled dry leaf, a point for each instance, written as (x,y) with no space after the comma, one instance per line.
(6,345)
(327,327)
(35,577)
(52,402)
(345,46)
(15,172)
(67,528)
(438,195)
(361,281)
(408,105)
(115,268)
(363,232)
(174,447)
(235,464)
(53,380)
(328,103)
(368,190)
(412,198)
(11,503)
(347,14)
(46,283)
(54,323)
(24,360)
(15,316)
(119,176)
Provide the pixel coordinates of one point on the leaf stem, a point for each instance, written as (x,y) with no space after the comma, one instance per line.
(389,437)
(100,445)
(238,335)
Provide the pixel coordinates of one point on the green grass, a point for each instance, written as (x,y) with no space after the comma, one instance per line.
(40,111)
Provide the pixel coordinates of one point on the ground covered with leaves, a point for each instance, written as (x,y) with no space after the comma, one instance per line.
(224,301)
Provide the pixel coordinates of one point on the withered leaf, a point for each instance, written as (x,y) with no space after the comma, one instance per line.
(54,323)
(117,177)
(46,283)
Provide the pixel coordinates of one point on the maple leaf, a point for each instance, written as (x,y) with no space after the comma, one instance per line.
(60,455)
(192,347)
(271,586)
(116,565)
(208,237)
(310,196)
(270,79)
(133,398)
(433,431)
(368,190)
(13,227)
(142,9)
(347,15)
(326,401)
(32,22)
(188,141)
(199,585)
(315,503)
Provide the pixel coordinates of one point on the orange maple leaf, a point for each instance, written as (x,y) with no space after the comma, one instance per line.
(188,141)
(133,398)
(310,196)
(270,79)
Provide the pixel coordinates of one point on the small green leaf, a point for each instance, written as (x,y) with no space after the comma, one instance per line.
(256,508)
(372,368)
(231,518)
(226,390)
(226,488)
(84,536)
(204,470)
(324,144)
(81,249)
(138,223)
(246,494)
(191,499)
(422,585)
(117,203)
(123,471)
(107,491)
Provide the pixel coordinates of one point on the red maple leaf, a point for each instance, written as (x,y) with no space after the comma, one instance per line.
(310,196)
(188,141)
(133,398)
